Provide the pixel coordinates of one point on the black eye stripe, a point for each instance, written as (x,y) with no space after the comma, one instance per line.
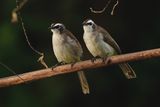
(56,26)
(89,23)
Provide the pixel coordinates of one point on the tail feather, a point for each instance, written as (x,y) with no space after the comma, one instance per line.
(127,70)
(83,81)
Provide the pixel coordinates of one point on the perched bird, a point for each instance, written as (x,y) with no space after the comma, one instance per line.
(101,44)
(67,49)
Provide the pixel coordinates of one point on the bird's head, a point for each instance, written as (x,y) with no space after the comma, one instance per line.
(57,27)
(89,25)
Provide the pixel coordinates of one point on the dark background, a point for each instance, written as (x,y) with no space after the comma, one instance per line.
(135,26)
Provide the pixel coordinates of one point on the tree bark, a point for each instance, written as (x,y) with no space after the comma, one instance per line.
(68,68)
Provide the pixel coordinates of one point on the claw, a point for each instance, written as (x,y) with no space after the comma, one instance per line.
(105,60)
(94,59)
(72,64)
(59,63)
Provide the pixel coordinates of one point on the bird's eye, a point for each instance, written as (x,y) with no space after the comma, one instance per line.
(89,23)
(57,27)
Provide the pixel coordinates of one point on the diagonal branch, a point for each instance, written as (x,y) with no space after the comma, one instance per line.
(44,73)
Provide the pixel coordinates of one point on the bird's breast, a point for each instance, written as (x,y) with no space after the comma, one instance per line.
(97,46)
(63,49)
(58,39)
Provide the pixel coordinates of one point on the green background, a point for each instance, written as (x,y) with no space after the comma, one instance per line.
(135,26)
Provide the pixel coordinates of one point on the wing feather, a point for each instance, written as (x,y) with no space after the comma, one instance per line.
(78,46)
(108,39)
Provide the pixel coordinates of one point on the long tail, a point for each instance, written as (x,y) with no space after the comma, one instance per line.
(127,70)
(83,81)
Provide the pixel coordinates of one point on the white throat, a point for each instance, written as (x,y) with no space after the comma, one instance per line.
(87,29)
(55,31)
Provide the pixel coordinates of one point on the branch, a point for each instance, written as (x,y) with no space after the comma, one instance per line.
(14,18)
(106,6)
(15,14)
(100,11)
(44,73)
(112,12)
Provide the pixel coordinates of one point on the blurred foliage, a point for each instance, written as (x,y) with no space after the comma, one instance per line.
(135,26)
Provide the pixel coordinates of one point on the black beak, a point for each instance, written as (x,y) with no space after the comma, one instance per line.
(84,23)
(50,27)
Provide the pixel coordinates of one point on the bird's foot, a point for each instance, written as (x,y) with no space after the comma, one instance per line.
(105,60)
(94,59)
(59,63)
(72,64)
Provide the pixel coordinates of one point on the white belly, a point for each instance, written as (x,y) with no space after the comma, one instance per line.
(97,46)
(62,50)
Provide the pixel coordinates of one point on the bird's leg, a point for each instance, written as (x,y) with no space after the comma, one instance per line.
(105,60)
(72,64)
(94,58)
(59,63)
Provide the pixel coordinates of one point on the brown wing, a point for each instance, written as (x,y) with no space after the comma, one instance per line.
(109,39)
(79,48)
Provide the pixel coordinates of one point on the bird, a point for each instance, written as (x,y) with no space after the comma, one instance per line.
(100,44)
(67,49)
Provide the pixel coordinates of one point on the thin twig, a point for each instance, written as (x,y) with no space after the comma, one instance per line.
(44,73)
(100,11)
(14,18)
(41,58)
(24,30)
(9,69)
(112,12)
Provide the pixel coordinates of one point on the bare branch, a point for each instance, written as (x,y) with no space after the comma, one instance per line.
(14,18)
(9,69)
(15,14)
(100,11)
(44,73)
(41,60)
(112,12)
